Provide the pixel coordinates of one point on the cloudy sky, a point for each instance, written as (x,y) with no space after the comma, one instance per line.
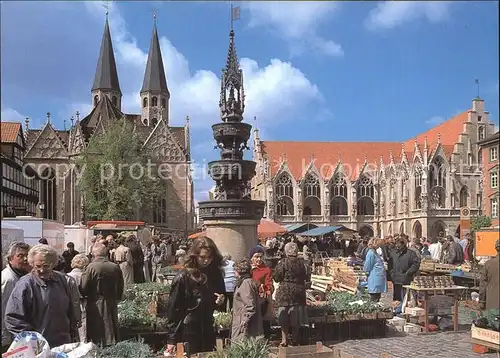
(317,71)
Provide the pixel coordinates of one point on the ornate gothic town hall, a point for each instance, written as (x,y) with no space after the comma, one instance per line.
(47,147)
(416,187)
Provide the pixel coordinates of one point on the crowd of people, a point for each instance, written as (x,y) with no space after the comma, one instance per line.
(60,295)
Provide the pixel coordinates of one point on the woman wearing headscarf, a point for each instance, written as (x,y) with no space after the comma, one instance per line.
(291,275)
(247,315)
(375,269)
(263,276)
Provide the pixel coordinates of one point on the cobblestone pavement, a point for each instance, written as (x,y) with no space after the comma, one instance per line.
(442,345)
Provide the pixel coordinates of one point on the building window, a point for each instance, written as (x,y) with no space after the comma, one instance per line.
(160,212)
(312,195)
(96,100)
(153,122)
(479,118)
(479,201)
(114,100)
(494,208)
(470,159)
(284,195)
(494,180)
(338,195)
(480,133)
(464,197)
(144,102)
(493,154)
(365,193)
(154,101)
(163,103)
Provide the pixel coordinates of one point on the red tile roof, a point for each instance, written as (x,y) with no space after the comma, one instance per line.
(9,131)
(326,156)
(352,155)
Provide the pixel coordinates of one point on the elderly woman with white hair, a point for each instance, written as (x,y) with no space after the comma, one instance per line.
(291,275)
(41,301)
(78,264)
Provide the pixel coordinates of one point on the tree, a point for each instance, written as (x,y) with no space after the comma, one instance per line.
(479,222)
(118,180)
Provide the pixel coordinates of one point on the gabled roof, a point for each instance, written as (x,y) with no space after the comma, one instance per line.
(9,131)
(326,156)
(48,143)
(353,155)
(154,77)
(446,133)
(106,75)
(104,111)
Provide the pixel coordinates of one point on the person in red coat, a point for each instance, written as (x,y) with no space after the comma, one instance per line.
(263,276)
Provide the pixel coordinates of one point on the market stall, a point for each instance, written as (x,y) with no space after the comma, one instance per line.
(426,287)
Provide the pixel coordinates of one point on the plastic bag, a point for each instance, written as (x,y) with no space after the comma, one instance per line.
(37,346)
(76,350)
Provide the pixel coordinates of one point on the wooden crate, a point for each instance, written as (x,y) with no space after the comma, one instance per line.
(486,335)
(315,351)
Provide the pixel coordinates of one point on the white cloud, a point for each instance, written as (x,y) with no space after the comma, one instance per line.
(11,115)
(390,14)
(276,88)
(275,93)
(297,22)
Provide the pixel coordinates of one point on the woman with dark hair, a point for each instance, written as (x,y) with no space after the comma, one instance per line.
(196,291)
(247,315)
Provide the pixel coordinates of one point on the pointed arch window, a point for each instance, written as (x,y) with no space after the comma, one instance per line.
(365,193)
(480,133)
(160,212)
(144,102)
(114,100)
(154,101)
(311,195)
(49,194)
(284,195)
(96,100)
(418,185)
(437,180)
(163,103)
(338,195)
(464,197)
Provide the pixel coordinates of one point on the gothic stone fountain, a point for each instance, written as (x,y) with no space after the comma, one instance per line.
(231,219)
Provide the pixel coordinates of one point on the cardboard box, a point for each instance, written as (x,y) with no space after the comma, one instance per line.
(412,328)
(486,335)
(415,311)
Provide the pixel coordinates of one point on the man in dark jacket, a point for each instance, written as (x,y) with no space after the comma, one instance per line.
(403,265)
(455,252)
(102,285)
(489,291)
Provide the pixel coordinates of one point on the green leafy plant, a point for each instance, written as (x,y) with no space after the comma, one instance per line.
(245,348)
(223,320)
(116,155)
(479,222)
(127,349)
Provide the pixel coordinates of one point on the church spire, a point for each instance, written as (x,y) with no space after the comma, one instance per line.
(106,76)
(154,77)
(155,95)
(232,95)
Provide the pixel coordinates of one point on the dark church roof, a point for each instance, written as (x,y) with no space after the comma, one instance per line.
(106,76)
(154,77)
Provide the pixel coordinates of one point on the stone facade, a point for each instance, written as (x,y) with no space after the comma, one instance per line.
(490,152)
(52,152)
(416,187)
